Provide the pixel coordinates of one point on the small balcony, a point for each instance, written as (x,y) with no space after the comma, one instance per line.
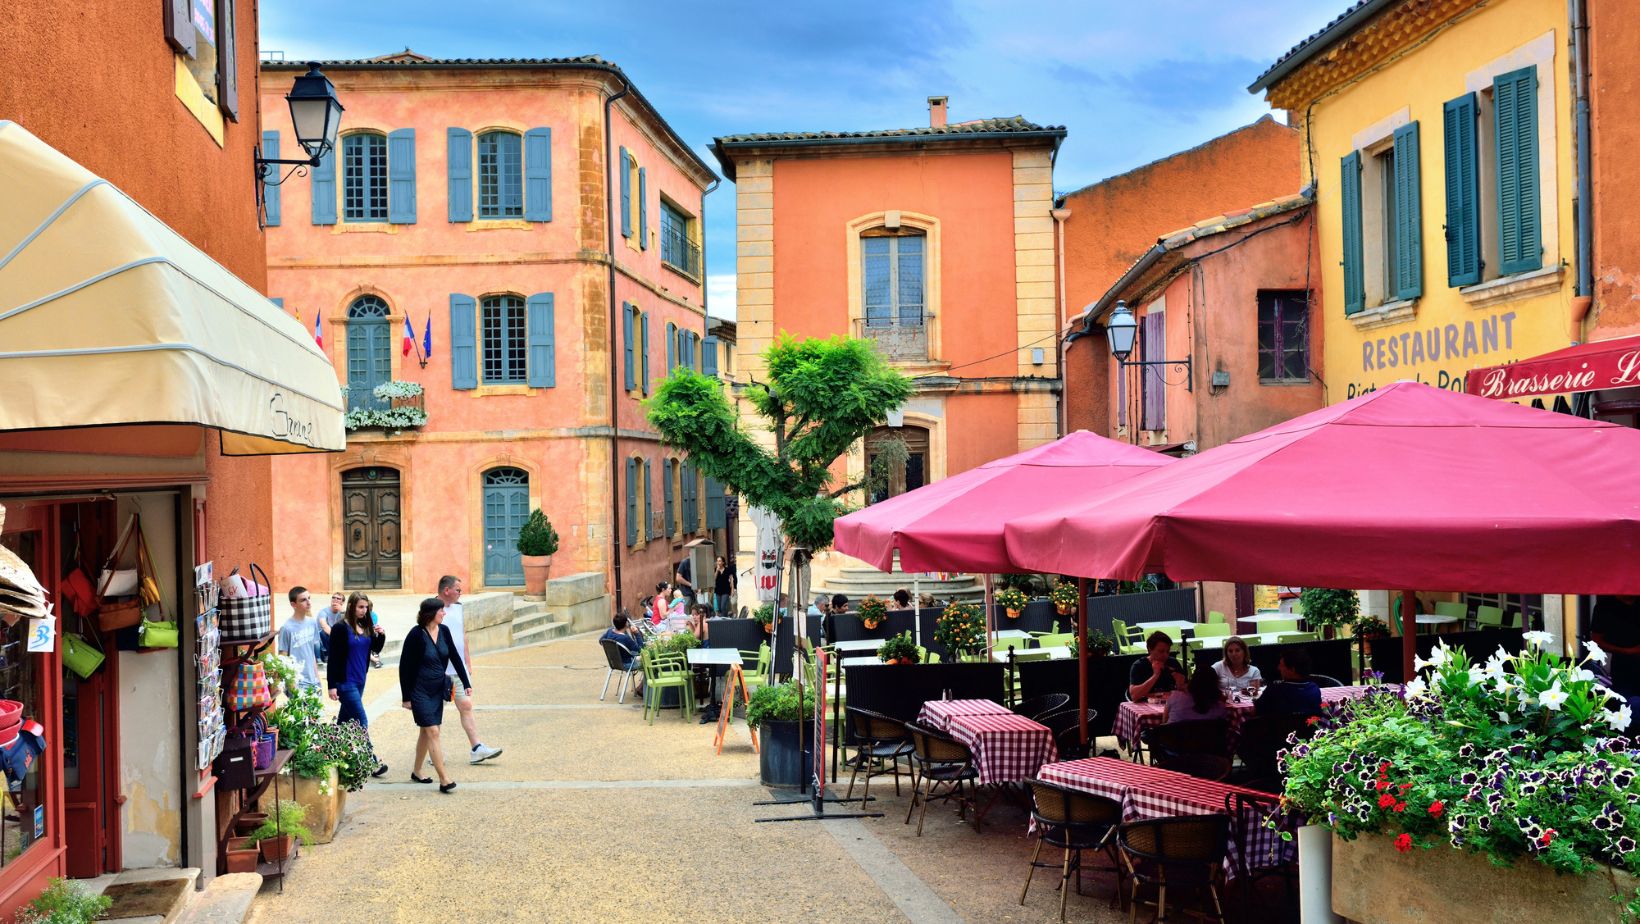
(392,406)
(899,340)
(679,252)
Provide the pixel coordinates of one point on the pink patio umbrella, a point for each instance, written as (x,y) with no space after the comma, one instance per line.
(1407,488)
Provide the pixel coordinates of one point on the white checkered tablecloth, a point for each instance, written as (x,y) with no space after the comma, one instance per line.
(1006,747)
(1133,718)
(937,713)
(1151,792)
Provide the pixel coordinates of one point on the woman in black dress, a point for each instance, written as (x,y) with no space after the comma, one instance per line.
(428,650)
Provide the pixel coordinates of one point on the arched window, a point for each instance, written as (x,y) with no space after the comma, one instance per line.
(506,349)
(506,508)
(500,175)
(364,177)
(893,265)
(369,352)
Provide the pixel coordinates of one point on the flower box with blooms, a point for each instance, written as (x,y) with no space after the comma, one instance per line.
(1099,644)
(765,617)
(1516,758)
(960,629)
(1063,596)
(899,650)
(873,610)
(1013,600)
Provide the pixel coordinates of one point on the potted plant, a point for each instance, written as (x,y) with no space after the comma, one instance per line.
(781,723)
(275,837)
(241,855)
(1013,600)
(537,541)
(1327,610)
(1099,644)
(64,902)
(1501,790)
(899,650)
(1063,596)
(960,628)
(248,822)
(873,610)
(765,617)
(1368,629)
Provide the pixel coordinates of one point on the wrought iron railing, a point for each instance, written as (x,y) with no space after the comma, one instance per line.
(679,252)
(897,340)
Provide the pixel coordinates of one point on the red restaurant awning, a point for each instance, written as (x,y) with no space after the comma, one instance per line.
(1585,367)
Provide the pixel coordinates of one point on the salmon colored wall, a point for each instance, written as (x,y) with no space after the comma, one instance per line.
(1114,222)
(1614,90)
(558,434)
(979,429)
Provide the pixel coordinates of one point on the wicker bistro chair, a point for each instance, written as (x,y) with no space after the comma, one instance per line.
(1253,856)
(1072,821)
(1067,732)
(1039,706)
(939,761)
(1262,736)
(1196,736)
(616,656)
(882,742)
(1182,852)
(1213,767)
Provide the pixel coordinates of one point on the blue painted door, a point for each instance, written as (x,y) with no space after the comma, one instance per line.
(506,507)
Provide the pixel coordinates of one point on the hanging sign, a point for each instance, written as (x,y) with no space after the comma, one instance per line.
(42,634)
(766,572)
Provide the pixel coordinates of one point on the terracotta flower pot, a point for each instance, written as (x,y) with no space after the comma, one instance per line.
(872,624)
(537,568)
(274,849)
(1013,614)
(249,821)
(768,628)
(241,855)
(1065,609)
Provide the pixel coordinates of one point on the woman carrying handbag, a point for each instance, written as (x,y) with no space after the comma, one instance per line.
(353,641)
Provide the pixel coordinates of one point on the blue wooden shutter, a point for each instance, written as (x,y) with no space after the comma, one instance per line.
(1514,102)
(1409,224)
(709,357)
(626,193)
(1349,189)
(1153,327)
(323,187)
(270,194)
(401,176)
(643,209)
(643,352)
(542,365)
(668,466)
(671,347)
(648,503)
(1463,188)
(716,517)
(538,174)
(631,501)
(628,327)
(460,148)
(463,342)
(687,498)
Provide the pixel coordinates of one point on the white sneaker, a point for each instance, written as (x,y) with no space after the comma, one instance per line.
(482,753)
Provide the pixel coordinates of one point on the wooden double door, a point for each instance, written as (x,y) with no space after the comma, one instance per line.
(371,524)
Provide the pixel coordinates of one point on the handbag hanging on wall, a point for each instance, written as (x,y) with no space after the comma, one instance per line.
(250,687)
(247,618)
(136,589)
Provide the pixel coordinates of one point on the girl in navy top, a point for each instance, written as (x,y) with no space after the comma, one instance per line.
(353,641)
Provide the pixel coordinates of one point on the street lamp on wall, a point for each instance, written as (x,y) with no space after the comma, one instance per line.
(316,114)
(1121,330)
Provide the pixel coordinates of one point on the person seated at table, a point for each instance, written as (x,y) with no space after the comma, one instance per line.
(821,605)
(902,599)
(1236,671)
(1158,673)
(677,612)
(657,603)
(1295,693)
(925,601)
(1200,701)
(626,635)
(697,622)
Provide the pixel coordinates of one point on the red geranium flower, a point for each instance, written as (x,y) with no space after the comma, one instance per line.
(1381,785)
(1383,768)
(1548,836)
(1403,843)
(1405,786)
(1386,800)
(1400,806)
(1436,808)
(1312,720)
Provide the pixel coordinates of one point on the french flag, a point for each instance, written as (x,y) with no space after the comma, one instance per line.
(318,335)
(409,336)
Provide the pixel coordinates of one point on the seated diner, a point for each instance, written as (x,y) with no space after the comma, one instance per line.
(1295,693)
(1236,671)
(1160,672)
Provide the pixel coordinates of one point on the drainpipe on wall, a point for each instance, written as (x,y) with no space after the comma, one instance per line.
(614,351)
(1577,11)
(1060,215)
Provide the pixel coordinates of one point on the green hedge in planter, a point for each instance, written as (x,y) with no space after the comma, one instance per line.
(778,703)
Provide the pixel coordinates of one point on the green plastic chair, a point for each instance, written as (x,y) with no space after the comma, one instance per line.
(1004,644)
(1173,632)
(1055,639)
(1287,637)
(1216,617)
(1514,620)
(1212,630)
(1490,617)
(1124,638)
(1453,609)
(660,672)
(758,675)
(1279,625)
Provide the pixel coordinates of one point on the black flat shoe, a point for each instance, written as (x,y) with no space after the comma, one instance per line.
(447,787)
(419,779)
(381,770)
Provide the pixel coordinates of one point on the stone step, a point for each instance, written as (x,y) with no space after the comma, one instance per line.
(226,900)
(531,622)
(541,632)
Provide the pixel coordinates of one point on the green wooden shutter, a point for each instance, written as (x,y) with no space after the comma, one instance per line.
(542,363)
(709,357)
(627,333)
(323,186)
(648,503)
(1349,189)
(1409,221)
(1463,188)
(463,342)
(643,352)
(1514,103)
(716,516)
(643,209)
(460,170)
(270,194)
(401,176)
(626,193)
(666,494)
(631,501)
(538,174)
(671,347)
(685,480)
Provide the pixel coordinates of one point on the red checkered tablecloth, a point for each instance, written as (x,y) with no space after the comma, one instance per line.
(1133,718)
(937,713)
(1151,792)
(1006,747)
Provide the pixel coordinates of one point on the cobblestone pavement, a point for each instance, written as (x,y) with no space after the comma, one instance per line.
(592,815)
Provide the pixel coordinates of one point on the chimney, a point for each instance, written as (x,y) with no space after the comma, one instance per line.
(936,111)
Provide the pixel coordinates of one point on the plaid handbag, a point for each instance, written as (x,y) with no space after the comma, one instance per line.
(250,687)
(247,618)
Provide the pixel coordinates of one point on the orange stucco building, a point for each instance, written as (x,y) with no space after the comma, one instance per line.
(937,243)
(1109,225)
(556,270)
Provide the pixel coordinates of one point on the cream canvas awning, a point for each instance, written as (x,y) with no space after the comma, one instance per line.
(107,316)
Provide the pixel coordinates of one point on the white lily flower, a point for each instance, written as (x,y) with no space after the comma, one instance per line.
(1581,673)
(1416,688)
(1596,653)
(1620,719)
(1419,664)
(1538,639)
(1493,669)
(1552,697)
(1476,675)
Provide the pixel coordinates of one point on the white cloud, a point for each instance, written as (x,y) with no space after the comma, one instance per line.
(720,295)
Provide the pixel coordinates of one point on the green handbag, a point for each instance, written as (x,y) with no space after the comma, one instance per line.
(157,634)
(80,656)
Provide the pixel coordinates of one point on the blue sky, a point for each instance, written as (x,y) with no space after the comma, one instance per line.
(1131,81)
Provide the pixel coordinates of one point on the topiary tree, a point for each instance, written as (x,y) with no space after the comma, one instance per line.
(822,396)
(536,536)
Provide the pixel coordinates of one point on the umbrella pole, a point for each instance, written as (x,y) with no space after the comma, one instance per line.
(989,628)
(1082,658)
(916,611)
(1409,633)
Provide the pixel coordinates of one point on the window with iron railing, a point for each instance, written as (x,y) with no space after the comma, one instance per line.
(678,248)
(893,277)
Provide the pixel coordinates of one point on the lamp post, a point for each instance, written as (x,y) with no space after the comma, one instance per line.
(316,114)
(1121,330)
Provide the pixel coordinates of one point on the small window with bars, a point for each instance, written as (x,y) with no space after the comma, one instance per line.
(364,177)
(1283,337)
(500,175)
(678,247)
(893,265)
(506,352)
